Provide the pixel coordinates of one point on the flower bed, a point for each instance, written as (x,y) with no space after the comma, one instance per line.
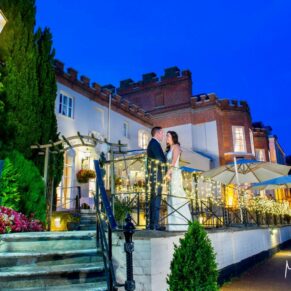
(13,221)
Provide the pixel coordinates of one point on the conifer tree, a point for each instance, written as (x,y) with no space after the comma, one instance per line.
(26,63)
(18,55)
(47,91)
(193,266)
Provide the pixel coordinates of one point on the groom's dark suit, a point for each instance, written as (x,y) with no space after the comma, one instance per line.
(155,152)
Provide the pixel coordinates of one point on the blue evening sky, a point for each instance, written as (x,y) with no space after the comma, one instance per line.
(237,49)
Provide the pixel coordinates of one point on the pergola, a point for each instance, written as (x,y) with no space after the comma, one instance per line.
(66,143)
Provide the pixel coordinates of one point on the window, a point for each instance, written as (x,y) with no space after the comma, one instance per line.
(64,191)
(239,142)
(125,129)
(260,155)
(252,141)
(100,119)
(66,106)
(143,139)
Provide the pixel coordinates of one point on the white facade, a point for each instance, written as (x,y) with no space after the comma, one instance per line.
(89,117)
(152,255)
(199,144)
(205,139)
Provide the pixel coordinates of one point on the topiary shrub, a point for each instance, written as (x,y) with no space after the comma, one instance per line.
(9,187)
(193,266)
(31,187)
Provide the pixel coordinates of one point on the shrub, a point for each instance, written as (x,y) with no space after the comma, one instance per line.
(193,266)
(13,221)
(31,187)
(121,208)
(9,188)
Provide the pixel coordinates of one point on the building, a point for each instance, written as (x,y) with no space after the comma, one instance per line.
(208,127)
(83,108)
(211,130)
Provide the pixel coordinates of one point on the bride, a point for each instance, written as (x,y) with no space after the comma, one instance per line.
(178,205)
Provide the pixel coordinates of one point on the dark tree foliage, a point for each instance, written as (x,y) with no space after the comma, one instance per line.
(18,57)
(9,186)
(29,86)
(30,185)
(47,90)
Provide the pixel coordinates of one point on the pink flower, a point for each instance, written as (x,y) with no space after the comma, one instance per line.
(13,221)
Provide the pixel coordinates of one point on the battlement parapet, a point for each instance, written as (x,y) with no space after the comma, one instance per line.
(97,92)
(151,79)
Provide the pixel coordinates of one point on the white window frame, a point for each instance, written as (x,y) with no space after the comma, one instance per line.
(235,140)
(261,155)
(143,138)
(64,109)
(252,141)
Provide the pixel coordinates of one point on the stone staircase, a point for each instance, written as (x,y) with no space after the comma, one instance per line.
(87,220)
(51,261)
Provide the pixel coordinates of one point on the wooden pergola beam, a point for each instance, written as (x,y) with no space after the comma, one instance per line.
(66,141)
(81,138)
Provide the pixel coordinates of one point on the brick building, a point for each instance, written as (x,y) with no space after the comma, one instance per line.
(209,126)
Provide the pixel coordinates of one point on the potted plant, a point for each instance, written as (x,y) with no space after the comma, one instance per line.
(84,175)
(121,208)
(73,221)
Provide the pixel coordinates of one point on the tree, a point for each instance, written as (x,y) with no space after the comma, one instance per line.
(20,97)
(9,187)
(26,63)
(47,91)
(193,266)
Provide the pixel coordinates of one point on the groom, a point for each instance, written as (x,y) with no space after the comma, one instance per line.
(155,152)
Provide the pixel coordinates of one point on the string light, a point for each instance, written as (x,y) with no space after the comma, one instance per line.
(197,187)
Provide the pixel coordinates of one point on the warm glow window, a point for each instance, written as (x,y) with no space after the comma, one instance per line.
(143,139)
(260,155)
(66,105)
(239,142)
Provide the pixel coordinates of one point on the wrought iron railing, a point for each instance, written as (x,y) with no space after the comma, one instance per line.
(105,225)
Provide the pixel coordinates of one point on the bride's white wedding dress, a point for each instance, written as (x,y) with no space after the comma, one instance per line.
(177,200)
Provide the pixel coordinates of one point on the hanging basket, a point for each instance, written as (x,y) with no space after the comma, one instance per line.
(84,175)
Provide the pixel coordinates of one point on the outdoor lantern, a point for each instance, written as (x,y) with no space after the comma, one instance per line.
(3,21)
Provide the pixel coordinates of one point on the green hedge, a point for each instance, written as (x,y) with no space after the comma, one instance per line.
(29,184)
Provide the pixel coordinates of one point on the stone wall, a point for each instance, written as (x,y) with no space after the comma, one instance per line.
(153,252)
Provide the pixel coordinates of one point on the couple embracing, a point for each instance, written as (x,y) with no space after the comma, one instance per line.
(178,207)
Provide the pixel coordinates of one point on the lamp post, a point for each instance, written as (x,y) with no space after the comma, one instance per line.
(3,21)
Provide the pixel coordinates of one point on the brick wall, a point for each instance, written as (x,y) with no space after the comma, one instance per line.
(174,88)
(261,141)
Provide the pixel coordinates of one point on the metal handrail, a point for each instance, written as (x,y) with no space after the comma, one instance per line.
(109,222)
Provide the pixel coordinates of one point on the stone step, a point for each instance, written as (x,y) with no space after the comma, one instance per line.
(40,241)
(48,276)
(89,221)
(87,226)
(88,211)
(49,258)
(96,286)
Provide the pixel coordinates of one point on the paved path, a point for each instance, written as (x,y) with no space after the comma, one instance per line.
(266,276)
